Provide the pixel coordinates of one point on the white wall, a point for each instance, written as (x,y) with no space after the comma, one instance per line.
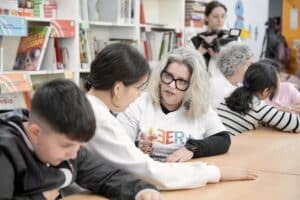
(255,14)
(275,8)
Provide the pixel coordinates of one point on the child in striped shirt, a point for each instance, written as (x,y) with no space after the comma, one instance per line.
(244,109)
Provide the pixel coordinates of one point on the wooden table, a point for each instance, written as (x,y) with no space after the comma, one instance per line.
(275,156)
(262,150)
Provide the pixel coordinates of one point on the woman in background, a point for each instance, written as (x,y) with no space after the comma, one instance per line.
(233,61)
(205,42)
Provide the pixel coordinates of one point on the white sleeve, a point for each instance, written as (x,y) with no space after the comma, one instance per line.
(130,118)
(213,123)
(113,144)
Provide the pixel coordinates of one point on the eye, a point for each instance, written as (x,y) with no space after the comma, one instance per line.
(182,82)
(168,76)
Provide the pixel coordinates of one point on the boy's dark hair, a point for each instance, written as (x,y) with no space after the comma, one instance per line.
(63,106)
(259,76)
(212,5)
(117,62)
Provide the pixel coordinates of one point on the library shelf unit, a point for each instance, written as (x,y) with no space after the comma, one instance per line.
(160,17)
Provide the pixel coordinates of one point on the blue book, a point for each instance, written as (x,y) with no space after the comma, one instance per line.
(13,26)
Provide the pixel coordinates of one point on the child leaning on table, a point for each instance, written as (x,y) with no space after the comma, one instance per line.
(42,151)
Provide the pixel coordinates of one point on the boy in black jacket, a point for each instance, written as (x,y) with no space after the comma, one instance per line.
(41,152)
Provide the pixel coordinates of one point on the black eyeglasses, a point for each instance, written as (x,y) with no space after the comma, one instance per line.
(168,78)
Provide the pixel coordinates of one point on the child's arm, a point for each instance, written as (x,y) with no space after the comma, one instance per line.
(96,175)
(284,121)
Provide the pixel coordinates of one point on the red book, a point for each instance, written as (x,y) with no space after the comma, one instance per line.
(63,28)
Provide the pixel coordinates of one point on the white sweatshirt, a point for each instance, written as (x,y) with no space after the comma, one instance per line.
(113,143)
(220,88)
(172,130)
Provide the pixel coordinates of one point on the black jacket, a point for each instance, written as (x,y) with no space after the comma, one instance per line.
(23,176)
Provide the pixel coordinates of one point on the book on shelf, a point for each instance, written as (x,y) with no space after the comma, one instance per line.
(15,91)
(12,26)
(156,44)
(114,11)
(9,7)
(25,8)
(85,47)
(142,13)
(32,49)
(63,28)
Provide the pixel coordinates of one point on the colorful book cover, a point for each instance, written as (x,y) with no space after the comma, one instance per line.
(15,91)
(32,49)
(25,7)
(13,26)
(63,28)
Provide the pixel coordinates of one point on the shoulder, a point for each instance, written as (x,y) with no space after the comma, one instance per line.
(142,102)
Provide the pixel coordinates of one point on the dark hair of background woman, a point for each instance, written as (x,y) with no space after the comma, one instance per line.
(117,62)
(212,5)
(258,77)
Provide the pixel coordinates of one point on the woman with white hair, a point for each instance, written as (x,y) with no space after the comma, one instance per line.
(233,61)
(174,121)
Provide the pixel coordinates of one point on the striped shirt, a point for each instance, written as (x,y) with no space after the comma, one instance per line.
(259,114)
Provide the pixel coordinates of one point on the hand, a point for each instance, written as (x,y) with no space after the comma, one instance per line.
(212,53)
(51,195)
(149,195)
(295,108)
(202,50)
(235,174)
(146,143)
(180,155)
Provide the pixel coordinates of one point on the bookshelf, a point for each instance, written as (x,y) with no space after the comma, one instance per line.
(162,17)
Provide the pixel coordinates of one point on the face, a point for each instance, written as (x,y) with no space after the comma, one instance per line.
(127,94)
(51,147)
(171,97)
(216,19)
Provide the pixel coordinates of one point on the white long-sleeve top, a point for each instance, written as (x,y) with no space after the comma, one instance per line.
(113,143)
(220,88)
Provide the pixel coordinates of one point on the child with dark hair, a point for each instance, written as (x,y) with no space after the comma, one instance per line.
(244,109)
(287,97)
(41,152)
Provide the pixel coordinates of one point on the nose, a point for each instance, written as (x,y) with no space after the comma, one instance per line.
(172,84)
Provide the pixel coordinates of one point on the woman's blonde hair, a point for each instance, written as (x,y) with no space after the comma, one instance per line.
(197,98)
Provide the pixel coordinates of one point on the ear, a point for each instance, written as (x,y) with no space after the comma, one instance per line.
(266,91)
(117,89)
(33,130)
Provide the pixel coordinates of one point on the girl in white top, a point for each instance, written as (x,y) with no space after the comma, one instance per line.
(175,115)
(117,77)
